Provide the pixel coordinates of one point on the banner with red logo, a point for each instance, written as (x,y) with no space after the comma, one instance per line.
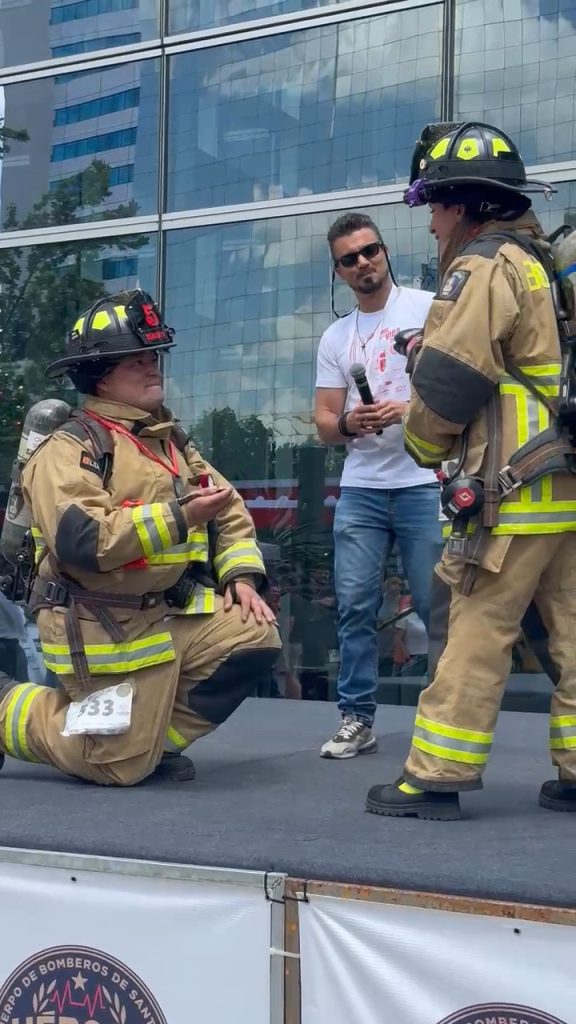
(379,963)
(135,944)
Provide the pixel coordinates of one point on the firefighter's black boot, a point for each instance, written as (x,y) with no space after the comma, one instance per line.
(175,768)
(401,800)
(557,796)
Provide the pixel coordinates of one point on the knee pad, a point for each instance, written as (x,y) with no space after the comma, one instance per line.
(215,698)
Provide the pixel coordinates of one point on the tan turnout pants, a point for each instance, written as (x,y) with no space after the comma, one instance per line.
(457,712)
(219,661)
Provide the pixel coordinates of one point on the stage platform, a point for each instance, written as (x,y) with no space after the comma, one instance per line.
(265,800)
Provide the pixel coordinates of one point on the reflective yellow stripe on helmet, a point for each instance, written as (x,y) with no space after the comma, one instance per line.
(17,712)
(113,658)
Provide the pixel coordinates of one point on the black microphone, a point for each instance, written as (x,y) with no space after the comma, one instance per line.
(358,374)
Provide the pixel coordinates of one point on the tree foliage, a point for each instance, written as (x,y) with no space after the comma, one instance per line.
(241,449)
(43,288)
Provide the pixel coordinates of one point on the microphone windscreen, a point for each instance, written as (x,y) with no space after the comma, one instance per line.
(358,371)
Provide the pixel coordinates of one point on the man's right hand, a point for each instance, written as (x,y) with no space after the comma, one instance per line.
(205,503)
(367,419)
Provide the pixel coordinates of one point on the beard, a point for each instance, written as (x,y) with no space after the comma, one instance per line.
(369,284)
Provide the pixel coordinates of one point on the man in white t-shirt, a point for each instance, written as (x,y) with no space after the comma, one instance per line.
(384,495)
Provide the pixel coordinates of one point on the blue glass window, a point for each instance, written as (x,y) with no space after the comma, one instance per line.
(93,144)
(121,175)
(89,9)
(97,107)
(86,45)
(311,111)
(516,68)
(126,266)
(187,15)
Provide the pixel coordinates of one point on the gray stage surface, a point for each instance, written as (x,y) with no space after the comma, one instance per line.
(265,800)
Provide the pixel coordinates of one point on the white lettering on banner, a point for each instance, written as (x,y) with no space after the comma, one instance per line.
(479,969)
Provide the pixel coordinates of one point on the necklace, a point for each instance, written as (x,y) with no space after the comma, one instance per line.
(365,341)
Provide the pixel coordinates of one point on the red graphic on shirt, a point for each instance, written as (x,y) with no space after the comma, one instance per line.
(381,362)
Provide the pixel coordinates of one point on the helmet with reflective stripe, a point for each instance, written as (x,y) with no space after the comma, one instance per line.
(474,156)
(115,326)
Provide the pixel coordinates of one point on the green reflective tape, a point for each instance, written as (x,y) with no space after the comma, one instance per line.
(17,712)
(174,741)
(113,658)
(453,744)
(446,752)
(152,528)
(190,551)
(563,736)
(244,554)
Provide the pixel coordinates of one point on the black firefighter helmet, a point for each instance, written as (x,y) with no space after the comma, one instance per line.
(452,162)
(113,327)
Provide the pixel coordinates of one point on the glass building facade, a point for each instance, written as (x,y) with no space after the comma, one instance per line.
(200,149)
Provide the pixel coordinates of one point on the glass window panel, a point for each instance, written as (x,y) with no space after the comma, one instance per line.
(43,289)
(559,209)
(249,302)
(190,15)
(66,27)
(91,147)
(326,108)
(516,68)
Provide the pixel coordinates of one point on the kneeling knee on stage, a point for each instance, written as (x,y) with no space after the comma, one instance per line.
(214,699)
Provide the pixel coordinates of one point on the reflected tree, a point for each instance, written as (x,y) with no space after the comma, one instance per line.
(43,288)
(241,449)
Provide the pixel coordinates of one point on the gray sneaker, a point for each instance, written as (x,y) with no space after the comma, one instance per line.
(353,737)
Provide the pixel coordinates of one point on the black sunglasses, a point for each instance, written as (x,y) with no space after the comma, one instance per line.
(350,259)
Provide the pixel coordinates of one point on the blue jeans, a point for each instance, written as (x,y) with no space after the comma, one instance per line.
(366,523)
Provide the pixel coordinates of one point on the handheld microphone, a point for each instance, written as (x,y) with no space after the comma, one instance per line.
(358,374)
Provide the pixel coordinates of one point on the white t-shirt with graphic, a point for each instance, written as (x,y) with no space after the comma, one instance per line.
(368,338)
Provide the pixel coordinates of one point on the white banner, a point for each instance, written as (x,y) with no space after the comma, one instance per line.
(375,963)
(87,947)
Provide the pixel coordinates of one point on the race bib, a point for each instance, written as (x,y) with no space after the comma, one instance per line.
(106,713)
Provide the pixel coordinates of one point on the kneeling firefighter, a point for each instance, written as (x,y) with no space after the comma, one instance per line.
(486,381)
(148,570)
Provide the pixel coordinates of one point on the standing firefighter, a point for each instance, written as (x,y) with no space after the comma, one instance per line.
(486,383)
(146,591)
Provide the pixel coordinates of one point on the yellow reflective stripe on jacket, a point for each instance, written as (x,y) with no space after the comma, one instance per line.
(464,745)
(21,699)
(429,454)
(531,509)
(195,549)
(546,377)
(104,658)
(244,554)
(39,543)
(175,742)
(201,601)
(152,528)
(563,732)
